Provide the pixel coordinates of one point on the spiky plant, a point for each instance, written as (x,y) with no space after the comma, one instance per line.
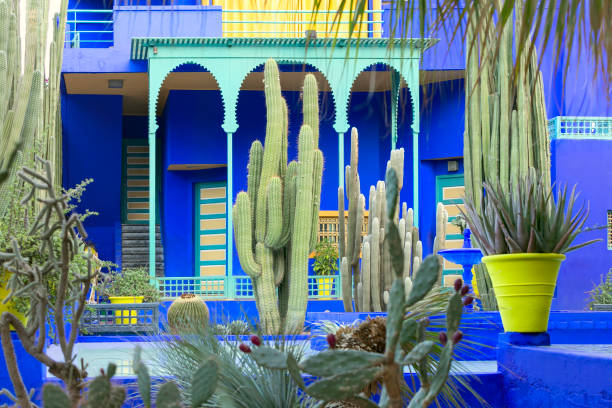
(527,219)
(275,220)
(366,268)
(342,375)
(186,313)
(241,382)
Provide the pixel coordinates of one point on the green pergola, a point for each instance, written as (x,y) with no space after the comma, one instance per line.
(230,60)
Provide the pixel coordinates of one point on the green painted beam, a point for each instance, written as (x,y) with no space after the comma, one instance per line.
(340,159)
(229,252)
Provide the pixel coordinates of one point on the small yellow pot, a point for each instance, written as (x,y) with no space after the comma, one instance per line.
(324,287)
(126,300)
(524,285)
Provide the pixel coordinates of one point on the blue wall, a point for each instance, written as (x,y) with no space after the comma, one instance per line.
(92,126)
(585,163)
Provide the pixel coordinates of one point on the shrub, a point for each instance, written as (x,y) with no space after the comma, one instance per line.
(602,293)
(131,282)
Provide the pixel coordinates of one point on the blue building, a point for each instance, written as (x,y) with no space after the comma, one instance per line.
(167,99)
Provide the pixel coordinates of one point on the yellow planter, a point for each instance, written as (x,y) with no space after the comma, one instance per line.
(8,307)
(524,285)
(121,313)
(324,287)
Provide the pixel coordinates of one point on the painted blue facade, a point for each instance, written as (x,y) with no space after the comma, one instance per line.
(190,133)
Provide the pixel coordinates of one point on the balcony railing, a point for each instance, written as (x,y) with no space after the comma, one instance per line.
(580,127)
(89,28)
(239,287)
(94,28)
(295,23)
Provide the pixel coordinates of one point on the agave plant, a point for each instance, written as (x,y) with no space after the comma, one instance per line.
(527,219)
(241,381)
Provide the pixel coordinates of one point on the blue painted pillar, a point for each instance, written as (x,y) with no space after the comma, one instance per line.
(230,226)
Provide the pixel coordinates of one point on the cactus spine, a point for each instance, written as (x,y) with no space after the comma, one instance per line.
(275,220)
(506,128)
(376,275)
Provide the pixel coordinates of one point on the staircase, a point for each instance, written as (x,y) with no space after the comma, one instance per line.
(135,247)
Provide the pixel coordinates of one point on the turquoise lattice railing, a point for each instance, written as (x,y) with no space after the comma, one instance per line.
(580,127)
(89,28)
(240,287)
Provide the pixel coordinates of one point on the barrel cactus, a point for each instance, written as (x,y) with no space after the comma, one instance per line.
(187,313)
(276,219)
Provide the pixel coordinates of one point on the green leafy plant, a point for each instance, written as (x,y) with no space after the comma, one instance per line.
(342,375)
(602,293)
(325,259)
(526,219)
(131,282)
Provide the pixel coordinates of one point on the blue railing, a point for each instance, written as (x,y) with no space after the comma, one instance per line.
(240,287)
(580,127)
(88,28)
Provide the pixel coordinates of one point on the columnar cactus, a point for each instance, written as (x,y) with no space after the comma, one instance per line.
(342,375)
(506,128)
(373,280)
(275,220)
(29,108)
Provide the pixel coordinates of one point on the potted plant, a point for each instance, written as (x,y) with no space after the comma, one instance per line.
(325,264)
(601,295)
(130,286)
(524,234)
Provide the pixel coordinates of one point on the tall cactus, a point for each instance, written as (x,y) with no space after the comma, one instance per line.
(29,107)
(506,128)
(372,280)
(342,375)
(275,219)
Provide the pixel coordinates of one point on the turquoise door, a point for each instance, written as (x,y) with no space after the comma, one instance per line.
(210,229)
(450,191)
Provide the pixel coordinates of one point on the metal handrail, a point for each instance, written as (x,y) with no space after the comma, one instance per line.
(75,36)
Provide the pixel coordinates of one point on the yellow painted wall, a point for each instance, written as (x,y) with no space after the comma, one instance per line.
(290,18)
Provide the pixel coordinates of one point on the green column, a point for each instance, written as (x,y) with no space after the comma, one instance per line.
(415,176)
(152,209)
(340,159)
(230,290)
(395,85)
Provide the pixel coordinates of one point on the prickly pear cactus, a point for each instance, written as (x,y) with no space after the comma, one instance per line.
(275,220)
(342,375)
(373,278)
(187,313)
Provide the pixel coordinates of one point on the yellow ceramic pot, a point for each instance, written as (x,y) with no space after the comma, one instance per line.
(524,285)
(121,313)
(324,287)
(9,307)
